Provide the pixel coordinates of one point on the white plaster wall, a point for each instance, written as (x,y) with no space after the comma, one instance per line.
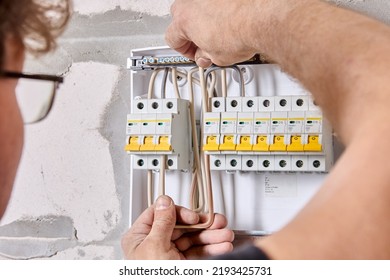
(151,7)
(71,197)
(66,166)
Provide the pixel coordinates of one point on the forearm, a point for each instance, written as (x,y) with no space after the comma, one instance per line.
(343,61)
(333,53)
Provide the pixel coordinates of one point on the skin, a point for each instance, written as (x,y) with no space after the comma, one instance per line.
(343,59)
(11,123)
(153,236)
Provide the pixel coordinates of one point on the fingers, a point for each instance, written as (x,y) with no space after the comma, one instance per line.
(186,216)
(175,38)
(220,221)
(143,223)
(203,62)
(205,237)
(164,219)
(138,231)
(213,241)
(140,228)
(215,234)
(206,37)
(202,59)
(179,42)
(208,250)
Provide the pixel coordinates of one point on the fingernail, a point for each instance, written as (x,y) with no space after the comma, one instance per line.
(163,202)
(203,62)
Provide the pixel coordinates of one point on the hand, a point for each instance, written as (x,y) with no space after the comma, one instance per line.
(153,235)
(213,31)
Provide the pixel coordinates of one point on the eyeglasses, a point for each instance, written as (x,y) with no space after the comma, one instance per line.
(35,94)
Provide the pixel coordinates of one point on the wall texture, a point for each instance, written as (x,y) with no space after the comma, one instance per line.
(71,195)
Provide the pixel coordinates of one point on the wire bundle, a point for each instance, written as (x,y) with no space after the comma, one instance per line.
(201,194)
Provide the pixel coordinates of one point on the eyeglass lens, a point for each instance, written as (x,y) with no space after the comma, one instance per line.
(35,98)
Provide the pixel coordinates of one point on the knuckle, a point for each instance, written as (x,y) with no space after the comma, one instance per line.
(153,242)
(173,8)
(164,221)
(167,36)
(230,236)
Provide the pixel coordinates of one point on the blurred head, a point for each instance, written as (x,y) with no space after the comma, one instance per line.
(25,25)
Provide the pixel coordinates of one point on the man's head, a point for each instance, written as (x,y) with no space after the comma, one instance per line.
(31,25)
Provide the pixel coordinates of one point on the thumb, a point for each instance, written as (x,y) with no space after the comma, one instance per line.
(164,219)
(202,59)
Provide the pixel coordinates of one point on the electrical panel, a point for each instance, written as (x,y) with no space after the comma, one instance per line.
(247,140)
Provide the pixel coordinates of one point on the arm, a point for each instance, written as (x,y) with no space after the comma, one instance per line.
(152,236)
(343,59)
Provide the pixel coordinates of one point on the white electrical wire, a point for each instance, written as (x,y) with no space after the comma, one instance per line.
(210,202)
(205,169)
(241,82)
(194,198)
(223,82)
(164,83)
(203,90)
(213,83)
(174,82)
(161,190)
(150,187)
(199,180)
(185,76)
(152,81)
(241,79)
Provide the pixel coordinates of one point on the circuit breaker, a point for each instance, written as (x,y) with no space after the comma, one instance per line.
(281,133)
(248,133)
(159,127)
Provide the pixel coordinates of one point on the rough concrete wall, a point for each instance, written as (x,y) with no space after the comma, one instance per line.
(71,195)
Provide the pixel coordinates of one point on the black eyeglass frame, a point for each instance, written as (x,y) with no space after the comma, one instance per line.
(43,77)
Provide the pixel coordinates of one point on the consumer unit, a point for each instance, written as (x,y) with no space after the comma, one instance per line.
(246,140)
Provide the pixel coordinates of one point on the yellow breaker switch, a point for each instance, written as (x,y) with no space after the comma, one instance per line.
(227,144)
(278,145)
(133,144)
(244,144)
(313,144)
(163,145)
(261,144)
(211,144)
(148,145)
(296,144)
